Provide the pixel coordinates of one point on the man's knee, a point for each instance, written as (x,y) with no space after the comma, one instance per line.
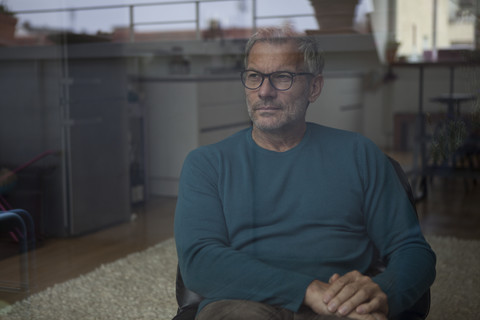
(241,310)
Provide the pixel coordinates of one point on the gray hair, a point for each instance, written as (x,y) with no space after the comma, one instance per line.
(307,45)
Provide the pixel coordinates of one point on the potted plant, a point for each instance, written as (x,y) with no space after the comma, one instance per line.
(8,22)
(335,16)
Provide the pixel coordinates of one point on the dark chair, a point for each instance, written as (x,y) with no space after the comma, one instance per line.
(188,301)
(21,221)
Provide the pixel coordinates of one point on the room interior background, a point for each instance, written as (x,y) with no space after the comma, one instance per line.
(118,110)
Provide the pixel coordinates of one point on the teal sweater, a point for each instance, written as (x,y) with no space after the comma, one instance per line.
(260,225)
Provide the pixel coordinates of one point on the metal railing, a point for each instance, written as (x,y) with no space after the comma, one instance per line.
(131,9)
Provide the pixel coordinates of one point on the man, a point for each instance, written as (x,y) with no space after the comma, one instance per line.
(282,220)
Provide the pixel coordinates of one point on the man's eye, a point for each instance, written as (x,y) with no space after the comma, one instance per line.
(283,77)
(254,76)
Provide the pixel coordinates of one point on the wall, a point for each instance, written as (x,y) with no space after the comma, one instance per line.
(172,131)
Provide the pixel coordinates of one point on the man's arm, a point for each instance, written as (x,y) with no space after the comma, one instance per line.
(393,226)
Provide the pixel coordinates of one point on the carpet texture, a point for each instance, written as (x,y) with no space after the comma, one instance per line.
(142,286)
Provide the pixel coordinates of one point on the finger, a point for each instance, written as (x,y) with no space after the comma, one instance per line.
(337,285)
(333,278)
(343,288)
(363,295)
(368,307)
(378,303)
(349,299)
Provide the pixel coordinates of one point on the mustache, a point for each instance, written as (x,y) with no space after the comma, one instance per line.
(265,103)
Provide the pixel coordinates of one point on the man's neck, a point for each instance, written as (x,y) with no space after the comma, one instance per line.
(279,141)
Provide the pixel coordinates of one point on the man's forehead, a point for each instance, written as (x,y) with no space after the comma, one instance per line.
(271,53)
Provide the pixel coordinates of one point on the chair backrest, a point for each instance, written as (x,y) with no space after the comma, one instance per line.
(188,300)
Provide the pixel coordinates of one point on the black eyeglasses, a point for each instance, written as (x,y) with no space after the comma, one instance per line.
(280,80)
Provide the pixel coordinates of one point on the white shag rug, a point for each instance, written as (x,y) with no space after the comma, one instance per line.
(142,286)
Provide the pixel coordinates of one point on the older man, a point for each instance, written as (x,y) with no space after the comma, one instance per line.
(283,220)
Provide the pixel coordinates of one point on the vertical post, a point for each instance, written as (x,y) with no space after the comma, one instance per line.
(391,29)
(64,103)
(434,31)
(477,24)
(254,16)
(131,24)
(452,80)
(197,19)
(392,19)
(421,139)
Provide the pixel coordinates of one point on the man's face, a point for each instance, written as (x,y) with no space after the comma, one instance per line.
(270,109)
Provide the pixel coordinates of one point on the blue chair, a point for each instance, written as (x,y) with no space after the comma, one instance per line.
(21,220)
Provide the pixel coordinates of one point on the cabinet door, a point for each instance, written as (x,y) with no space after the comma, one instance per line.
(96,138)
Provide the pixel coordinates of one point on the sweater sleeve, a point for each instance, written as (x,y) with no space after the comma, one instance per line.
(393,226)
(208,264)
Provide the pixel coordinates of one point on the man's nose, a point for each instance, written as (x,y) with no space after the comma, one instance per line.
(266,89)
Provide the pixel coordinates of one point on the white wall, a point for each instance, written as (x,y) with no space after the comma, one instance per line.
(340,104)
(171,130)
(183,114)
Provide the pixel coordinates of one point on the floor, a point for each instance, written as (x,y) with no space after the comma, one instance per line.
(58,260)
(451,209)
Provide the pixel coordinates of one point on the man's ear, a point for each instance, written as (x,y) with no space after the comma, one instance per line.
(316,86)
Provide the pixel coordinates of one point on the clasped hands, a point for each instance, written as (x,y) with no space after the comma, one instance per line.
(352,295)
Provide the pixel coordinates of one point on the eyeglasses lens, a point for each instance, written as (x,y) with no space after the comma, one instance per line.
(279,80)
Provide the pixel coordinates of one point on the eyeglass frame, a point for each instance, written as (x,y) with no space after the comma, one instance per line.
(268,75)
